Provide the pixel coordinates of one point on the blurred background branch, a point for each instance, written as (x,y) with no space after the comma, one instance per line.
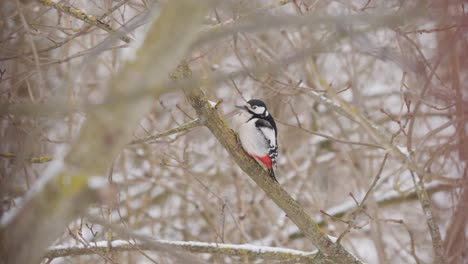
(88,19)
(65,194)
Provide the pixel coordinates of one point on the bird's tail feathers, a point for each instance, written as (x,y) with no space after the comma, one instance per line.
(272,174)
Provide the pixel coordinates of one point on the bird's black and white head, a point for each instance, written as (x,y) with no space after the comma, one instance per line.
(256,108)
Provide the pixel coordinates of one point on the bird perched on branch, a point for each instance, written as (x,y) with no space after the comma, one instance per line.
(257,133)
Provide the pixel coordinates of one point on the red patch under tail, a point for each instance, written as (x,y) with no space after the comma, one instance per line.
(265,160)
(268,164)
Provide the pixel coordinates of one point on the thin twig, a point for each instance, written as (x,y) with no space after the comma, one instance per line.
(424,199)
(187,126)
(360,206)
(40,159)
(88,19)
(31,42)
(330,137)
(410,234)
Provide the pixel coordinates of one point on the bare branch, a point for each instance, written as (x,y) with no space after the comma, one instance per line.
(88,19)
(41,159)
(430,220)
(187,126)
(360,206)
(233,250)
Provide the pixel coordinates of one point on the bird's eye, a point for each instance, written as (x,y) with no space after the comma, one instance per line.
(254,107)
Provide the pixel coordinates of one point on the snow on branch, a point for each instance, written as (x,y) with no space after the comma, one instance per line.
(241,250)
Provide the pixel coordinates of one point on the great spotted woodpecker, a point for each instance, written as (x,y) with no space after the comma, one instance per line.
(257,133)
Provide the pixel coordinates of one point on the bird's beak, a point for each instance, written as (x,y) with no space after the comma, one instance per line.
(242,107)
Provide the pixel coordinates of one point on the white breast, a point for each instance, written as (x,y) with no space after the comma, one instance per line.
(252,139)
(239,119)
(270,135)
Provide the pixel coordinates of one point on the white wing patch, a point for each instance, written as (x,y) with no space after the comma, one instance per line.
(269,135)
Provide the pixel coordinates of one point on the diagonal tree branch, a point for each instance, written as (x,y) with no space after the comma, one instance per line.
(293,209)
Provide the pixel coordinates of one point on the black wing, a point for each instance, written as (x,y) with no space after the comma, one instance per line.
(268,130)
